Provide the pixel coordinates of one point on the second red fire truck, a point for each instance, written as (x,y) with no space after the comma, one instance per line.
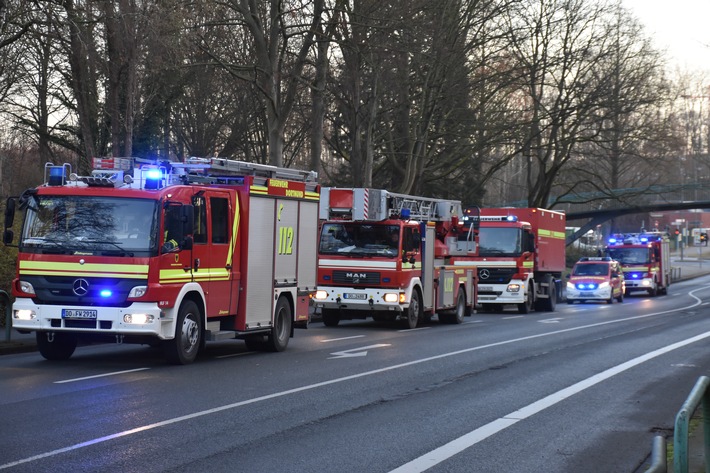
(393,257)
(521,257)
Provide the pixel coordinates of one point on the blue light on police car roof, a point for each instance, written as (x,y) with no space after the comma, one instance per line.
(106,293)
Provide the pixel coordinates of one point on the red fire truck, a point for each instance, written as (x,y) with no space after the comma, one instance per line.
(645,260)
(172,254)
(393,257)
(521,257)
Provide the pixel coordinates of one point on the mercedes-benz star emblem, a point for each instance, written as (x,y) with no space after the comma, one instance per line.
(80,287)
(484,274)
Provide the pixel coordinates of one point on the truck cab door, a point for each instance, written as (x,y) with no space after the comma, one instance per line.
(212,259)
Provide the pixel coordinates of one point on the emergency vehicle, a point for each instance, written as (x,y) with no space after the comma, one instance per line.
(521,257)
(645,259)
(393,257)
(172,254)
(596,279)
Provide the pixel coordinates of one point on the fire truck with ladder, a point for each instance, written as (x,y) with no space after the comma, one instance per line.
(521,257)
(645,260)
(393,257)
(170,254)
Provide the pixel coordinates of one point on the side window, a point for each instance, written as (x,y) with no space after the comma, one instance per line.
(220,219)
(199,233)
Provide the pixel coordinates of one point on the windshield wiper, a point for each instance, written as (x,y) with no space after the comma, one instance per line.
(120,252)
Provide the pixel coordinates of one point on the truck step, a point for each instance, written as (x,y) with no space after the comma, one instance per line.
(214,336)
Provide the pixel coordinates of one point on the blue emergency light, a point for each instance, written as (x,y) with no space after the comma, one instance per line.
(153,178)
(106,293)
(511,218)
(56,176)
(405,214)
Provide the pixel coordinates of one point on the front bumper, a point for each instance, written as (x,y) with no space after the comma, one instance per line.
(597,294)
(328,297)
(501,293)
(28,316)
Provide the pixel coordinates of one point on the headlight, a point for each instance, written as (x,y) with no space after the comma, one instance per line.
(321,295)
(604,285)
(513,288)
(570,285)
(24,314)
(646,282)
(391,297)
(138,291)
(138,318)
(26,287)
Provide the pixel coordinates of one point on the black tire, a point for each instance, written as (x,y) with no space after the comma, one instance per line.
(61,347)
(457,316)
(184,347)
(281,330)
(550,304)
(527,306)
(621,297)
(653,292)
(331,318)
(570,301)
(611,297)
(414,312)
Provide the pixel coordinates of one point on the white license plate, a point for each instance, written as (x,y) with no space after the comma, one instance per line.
(586,294)
(360,297)
(79,314)
(485,288)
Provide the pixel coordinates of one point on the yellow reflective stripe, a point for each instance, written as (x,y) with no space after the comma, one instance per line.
(550,234)
(235,230)
(202,275)
(312,195)
(261,190)
(527,264)
(50,268)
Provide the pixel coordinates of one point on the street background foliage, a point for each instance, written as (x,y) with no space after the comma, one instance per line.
(562,104)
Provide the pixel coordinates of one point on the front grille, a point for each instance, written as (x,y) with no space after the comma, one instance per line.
(495,275)
(364,278)
(59,290)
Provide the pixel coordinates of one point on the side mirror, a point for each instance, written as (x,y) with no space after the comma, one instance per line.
(10,212)
(7,237)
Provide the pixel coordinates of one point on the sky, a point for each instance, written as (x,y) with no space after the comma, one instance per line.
(681,27)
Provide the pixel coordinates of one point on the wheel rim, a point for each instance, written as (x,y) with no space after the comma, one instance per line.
(190,333)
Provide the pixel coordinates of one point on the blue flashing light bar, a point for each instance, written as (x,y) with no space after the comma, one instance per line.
(57,176)
(406,214)
(106,293)
(511,218)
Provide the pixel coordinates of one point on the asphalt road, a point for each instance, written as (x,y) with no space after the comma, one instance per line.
(582,389)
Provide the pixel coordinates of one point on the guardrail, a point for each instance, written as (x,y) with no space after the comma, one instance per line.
(700,395)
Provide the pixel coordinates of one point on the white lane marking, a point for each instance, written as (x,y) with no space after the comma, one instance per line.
(470,439)
(513,317)
(705,303)
(99,376)
(329,382)
(235,354)
(343,338)
(555,320)
(356,351)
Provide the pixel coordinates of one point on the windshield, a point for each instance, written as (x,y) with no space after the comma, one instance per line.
(630,255)
(499,241)
(591,269)
(90,225)
(359,239)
